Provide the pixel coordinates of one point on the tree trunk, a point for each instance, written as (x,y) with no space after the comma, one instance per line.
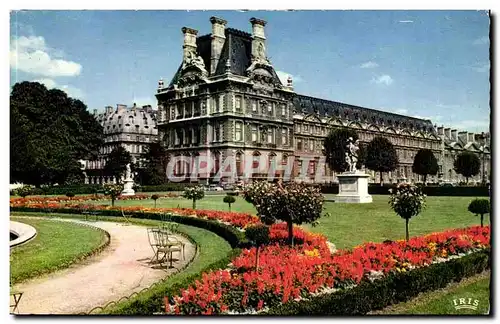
(381,178)
(466,180)
(425,179)
(290,233)
(257,259)
(155,203)
(482,220)
(230,209)
(407,232)
(194,203)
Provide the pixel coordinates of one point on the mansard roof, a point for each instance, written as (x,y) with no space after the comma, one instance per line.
(328,108)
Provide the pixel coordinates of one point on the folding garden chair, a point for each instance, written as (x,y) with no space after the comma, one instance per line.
(153,239)
(167,246)
(16,295)
(127,217)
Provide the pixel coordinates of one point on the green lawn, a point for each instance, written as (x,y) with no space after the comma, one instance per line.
(352,224)
(56,246)
(441,302)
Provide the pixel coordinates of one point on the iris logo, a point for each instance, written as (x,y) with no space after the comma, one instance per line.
(465,303)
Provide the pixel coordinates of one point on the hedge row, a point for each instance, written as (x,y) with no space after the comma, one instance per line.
(395,288)
(375,189)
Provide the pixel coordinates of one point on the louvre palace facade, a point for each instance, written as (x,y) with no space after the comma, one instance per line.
(227,100)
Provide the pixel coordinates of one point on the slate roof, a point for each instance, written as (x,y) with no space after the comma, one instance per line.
(322,107)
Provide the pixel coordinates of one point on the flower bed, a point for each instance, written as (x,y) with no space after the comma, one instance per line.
(293,273)
(18,201)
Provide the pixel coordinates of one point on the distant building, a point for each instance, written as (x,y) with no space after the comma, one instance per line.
(130,127)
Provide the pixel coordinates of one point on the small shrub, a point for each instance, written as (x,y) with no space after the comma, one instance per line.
(24,191)
(70,194)
(113,191)
(407,201)
(480,207)
(155,198)
(194,193)
(257,235)
(229,200)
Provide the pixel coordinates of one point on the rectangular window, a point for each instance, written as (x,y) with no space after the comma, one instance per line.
(306,128)
(254,106)
(283,110)
(237,103)
(311,145)
(299,144)
(238,134)
(283,136)
(254,133)
(270,136)
(270,108)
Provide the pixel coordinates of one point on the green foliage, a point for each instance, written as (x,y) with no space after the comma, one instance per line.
(293,203)
(155,198)
(113,191)
(480,207)
(395,288)
(49,133)
(381,156)
(155,161)
(24,191)
(467,164)
(335,147)
(257,234)
(116,162)
(425,163)
(173,186)
(194,194)
(70,194)
(407,201)
(229,200)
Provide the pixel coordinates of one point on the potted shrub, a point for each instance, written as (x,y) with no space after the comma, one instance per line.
(229,200)
(407,200)
(194,194)
(480,207)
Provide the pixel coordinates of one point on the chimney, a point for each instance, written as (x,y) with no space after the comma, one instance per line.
(447,133)
(454,135)
(120,108)
(189,46)
(440,130)
(109,110)
(217,43)
(95,112)
(258,39)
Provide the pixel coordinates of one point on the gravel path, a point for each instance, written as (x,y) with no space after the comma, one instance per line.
(121,269)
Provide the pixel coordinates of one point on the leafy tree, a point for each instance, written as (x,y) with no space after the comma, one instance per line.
(113,191)
(257,235)
(155,198)
(381,156)
(229,200)
(425,163)
(480,207)
(116,162)
(49,133)
(293,203)
(335,147)
(194,193)
(155,161)
(407,201)
(467,164)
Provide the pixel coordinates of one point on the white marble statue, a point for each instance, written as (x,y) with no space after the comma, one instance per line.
(128,172)
(352,154)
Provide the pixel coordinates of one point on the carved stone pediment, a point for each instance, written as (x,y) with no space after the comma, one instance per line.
(263,73)
(191,77)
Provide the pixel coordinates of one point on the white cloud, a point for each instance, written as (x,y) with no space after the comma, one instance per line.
(71,91)
(32,55)
(481,67)
(484,40)
(406,21)
(369,65)
(432,118)
(284,77)
(383,79)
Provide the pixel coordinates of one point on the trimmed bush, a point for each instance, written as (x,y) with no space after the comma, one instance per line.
(257,235)
(155,198)
(480,207)
(399,287)
(70,194)
(464,191)
(229,200)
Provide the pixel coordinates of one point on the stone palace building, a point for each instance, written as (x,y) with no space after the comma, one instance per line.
(227,100)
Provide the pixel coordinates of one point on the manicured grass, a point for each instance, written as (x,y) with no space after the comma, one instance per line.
(441,302)
(211,248)
(352,224)
(56,246)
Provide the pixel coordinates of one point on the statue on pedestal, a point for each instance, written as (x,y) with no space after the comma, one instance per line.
(352,154)
(128,182)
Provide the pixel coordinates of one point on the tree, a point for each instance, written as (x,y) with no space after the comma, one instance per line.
(194,193)
(113,191)
(229,200)
(480,207)
(49,133)
(155,161)
(407,201)
(155,198)
(467,164)
(257,235)
(425,163)
(117,161)
(336,146)
(381,156)
(293,203)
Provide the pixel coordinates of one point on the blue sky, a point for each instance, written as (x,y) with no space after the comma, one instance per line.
(432,64)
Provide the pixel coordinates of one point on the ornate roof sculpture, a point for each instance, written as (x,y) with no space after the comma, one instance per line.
(327,108)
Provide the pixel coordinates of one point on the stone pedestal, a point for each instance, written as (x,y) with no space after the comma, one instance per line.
(353,188)
(128,184)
